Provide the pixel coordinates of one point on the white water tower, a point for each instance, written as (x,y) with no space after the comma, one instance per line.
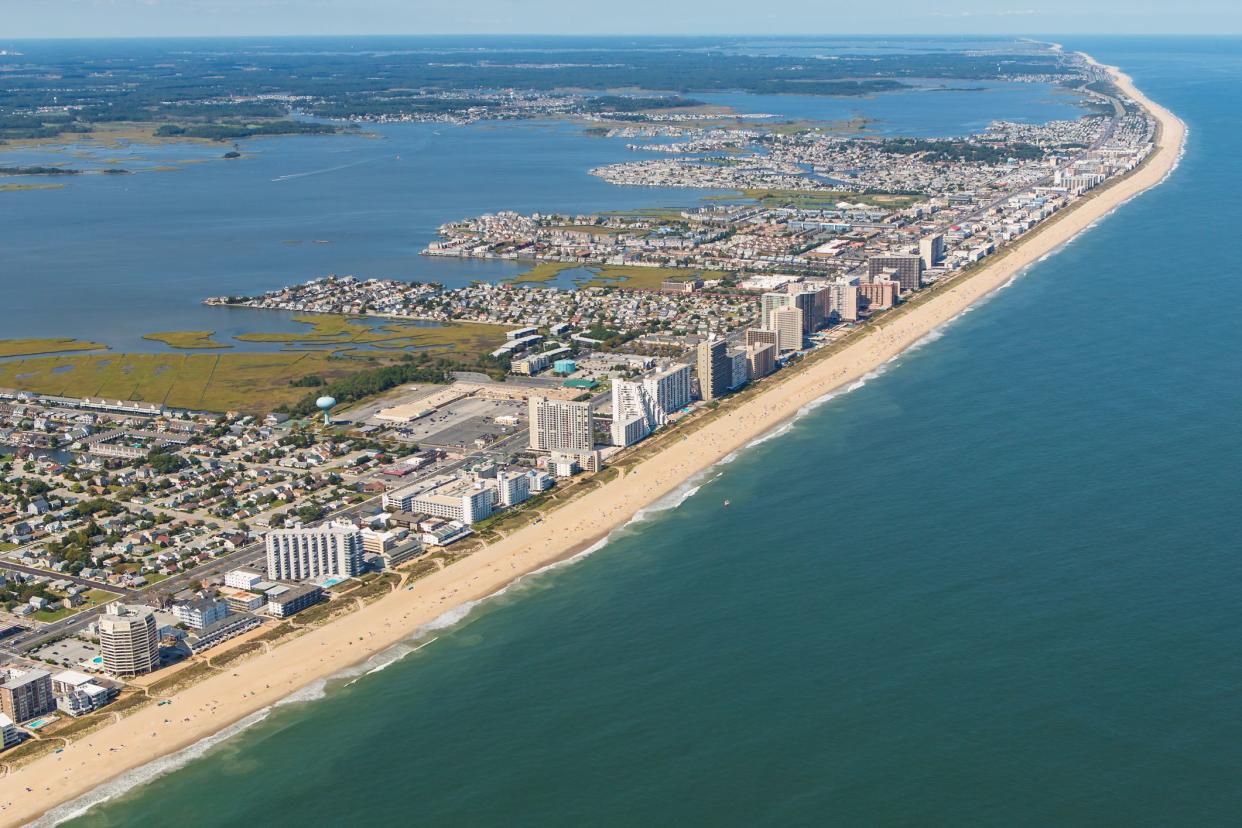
(325,404)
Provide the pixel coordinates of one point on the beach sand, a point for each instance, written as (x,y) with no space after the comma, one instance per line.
(225,699)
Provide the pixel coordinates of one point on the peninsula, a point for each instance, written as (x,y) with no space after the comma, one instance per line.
(655,470)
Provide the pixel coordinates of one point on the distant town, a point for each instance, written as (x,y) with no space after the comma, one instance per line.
(144,547)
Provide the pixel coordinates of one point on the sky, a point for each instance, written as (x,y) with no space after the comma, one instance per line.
(160,18)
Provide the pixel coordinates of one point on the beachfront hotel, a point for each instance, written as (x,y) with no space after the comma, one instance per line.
(671,388)
(298,554)
(27,694)
(880,294)
(127,636)
(715,369)
(201,613)
(788,324)
(908,269)
(761,358)
(560,425)
(445,496)
(931,250)
(9,734)
(634,413)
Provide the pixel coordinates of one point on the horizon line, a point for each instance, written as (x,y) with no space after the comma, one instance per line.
(643,36)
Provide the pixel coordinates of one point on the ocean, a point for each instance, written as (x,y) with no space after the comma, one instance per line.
(995,584)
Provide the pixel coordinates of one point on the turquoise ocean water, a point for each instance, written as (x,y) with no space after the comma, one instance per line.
(998,584)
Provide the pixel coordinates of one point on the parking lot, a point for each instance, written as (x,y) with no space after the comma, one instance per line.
(70,653)
(461,423)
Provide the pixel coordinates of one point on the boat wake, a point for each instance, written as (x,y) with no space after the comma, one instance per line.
(291,176)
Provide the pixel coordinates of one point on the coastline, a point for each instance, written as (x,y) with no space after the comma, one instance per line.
(223,703)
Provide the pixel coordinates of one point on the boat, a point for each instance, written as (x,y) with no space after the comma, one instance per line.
(726,503)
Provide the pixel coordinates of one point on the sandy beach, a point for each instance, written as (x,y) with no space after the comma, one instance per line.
(223,700)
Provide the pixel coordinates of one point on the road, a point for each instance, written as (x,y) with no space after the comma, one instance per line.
(86,582)
(250,555)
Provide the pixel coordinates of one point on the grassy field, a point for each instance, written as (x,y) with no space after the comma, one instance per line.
(544,272)
(92,598)
(820,199)
(641,278)
(186,340)
(213,382)
(666,214)
(56,345)
(594,228)
(626,276)
(851,125)
(251,382)
(114,135)
(327,329)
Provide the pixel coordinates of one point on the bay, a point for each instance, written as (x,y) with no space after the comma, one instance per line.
(111,257)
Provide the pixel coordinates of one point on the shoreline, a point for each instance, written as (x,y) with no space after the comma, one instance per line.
(212,710)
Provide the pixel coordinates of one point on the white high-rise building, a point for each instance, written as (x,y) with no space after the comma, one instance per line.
(771,302)
(513,487)
(740,372)
(671,388)
(298,554)
(446,496)
(843,300)
(127,639)
(787,322)
(560,425)
(9,734)
(931,250)
(634,413)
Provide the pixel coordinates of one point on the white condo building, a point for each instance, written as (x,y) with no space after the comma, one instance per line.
(671,388)
(560,425)
(739,369)
(634,413)
(771,302)
(9,732)
(127,637)
(447,497)
(787,322)
(298,554)
(242,578)
(512,487)
(843,300)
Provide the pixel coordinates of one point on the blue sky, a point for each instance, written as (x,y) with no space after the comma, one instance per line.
(123,18)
